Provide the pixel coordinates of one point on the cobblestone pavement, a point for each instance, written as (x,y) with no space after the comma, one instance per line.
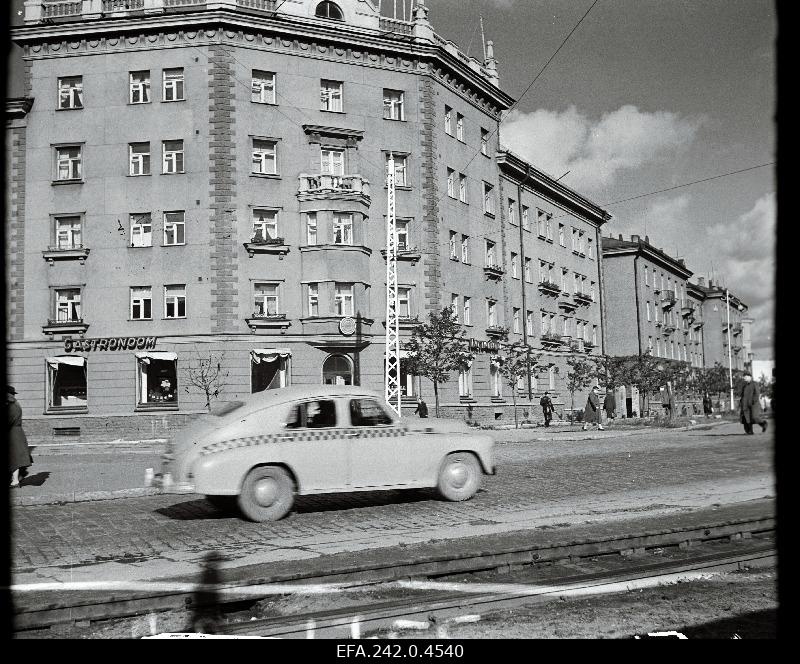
(557,483)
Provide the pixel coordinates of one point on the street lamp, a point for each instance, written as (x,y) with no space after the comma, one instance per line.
(730,356)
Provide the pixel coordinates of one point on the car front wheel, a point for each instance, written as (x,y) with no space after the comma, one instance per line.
(267,494)
(459,477)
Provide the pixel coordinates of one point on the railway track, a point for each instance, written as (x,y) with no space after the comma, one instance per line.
(42,608)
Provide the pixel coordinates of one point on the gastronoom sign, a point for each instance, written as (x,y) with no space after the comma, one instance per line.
(110,343)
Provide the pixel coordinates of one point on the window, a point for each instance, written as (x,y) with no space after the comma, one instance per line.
(311,228)
(331,95)
(460,127)
(329,10)
(465,381)
(541,218)
(549,227)
(650,344)
(173,156)
(343,300)
(575,239)
(488,198)
(580,243)
(402,226)
(561,240)
(70,92)
(528,276)
(139,87)
(576,283)
(453,254)
(68,232)
(454,305)
(529,322)
(448,120)
(543,270)
(332,161)
(157,378)
(265,157)
(545,323)
(451,191)
(400,170)
(141,303)
(268,371)
(393,105)
(514,266)
(484,141)
(594,334)
(515,318)
(491,312)
(174,228)
(337,370)
(265,299)
(368,413)
(173,84)
(495,379)
(526,224)
(68,305)
(489,254)
(342,228)
(263,87)
(66,382)
(175,301)
(564,278)
(654,277)
(404,302)
(512,210)
(68,163)
(646,277)
(590,248)
(313,299)
(265,225)
(591,290)
(139,158)
(141,230)
(462,187)
(648,310)
(465,248)
(467,310)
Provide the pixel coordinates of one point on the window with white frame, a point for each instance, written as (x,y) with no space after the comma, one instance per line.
(488,198)
(580,242)
(578,329)
(70,92)
(313,299)
(141,303)
(551,378)
(576,283)
(590,248)
(561,239)
(330,95)
(454,305)
(490,254)
(332,161)
(157,380)
(404,302)
(648,309)
(491,313)
(548,223)
(465,248)
(451,186)
(174,228)
(262,89)
(462,187)
(484,141)
(646,277)
(175,301)
(514,266)
(465,381)
(139,83)
(564,279)
(403,236)
(512,210)
(342,228)
(393,104)
(343,299)
(650,344)
(594,334)
(574,239)
(448,120)
(543,271)
(495,379)
(173,84)
(172,156)
(528,275)
(139,158)
(265,225)
(69,162)
(68,232)
(453,254)
(591,290)
(545,322)
(66,383)
(460,127)
(467,310)
(655,276)
(265,299)
(400,170)
(141,225)
(265,157)
(529,323)
(311,228)
(526,224)
(67,305)
(540,223)
(515,320)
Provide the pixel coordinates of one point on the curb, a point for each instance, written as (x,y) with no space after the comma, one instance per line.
(83,496)
(614,433)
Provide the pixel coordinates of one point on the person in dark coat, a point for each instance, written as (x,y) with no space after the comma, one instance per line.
(547,408)
(422,408)
(707,405)
(610,404)
(19,456)
(591,413)
(750,406)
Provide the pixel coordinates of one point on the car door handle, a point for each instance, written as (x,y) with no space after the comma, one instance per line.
(352,434)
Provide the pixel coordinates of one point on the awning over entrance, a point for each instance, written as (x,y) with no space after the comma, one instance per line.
(157,355)
(258,355)
(66,359)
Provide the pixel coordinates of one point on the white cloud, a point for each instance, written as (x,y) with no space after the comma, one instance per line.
(596,152)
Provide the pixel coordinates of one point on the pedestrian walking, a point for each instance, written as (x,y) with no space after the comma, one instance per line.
(422,408)
(707,410)
(547,408)
(19,455)
(610,404)
(750,405)
(591,413)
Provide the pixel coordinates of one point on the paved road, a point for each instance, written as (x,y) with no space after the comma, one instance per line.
(557,482)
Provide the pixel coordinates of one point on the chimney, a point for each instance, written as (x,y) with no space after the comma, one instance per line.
(647,239)
(682,261)
(701,281)
(620,236)
(634,238)
(711,283)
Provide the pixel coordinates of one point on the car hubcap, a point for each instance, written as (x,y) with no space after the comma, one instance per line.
(266,491)
(457,475)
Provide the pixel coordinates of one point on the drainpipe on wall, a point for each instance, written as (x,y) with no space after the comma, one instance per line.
(636,291)
(600,289)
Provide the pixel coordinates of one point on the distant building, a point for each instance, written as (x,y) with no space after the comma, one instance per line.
(765,368)
(725,320)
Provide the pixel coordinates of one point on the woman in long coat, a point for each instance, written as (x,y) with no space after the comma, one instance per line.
(591,413)
(19,456)
(750,405)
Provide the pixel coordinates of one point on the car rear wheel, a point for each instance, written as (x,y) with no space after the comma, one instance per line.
(459,477)
(222,503)
(267,494)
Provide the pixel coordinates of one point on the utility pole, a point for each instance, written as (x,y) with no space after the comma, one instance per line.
(730,357)
(483,40)
(392,377)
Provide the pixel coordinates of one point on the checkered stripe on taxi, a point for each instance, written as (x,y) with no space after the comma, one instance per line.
(303,436)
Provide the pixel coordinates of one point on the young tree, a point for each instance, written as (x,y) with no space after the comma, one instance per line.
(437,348)
(516,362)
(581,373)
(206,374)
(611,370)
(643,372)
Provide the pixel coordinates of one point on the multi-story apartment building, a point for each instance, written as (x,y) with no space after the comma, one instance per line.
(726,326)
(202,182)
(695,297)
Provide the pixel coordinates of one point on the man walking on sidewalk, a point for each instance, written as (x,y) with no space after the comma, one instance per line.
(547,408)
(750,406)
(591,414)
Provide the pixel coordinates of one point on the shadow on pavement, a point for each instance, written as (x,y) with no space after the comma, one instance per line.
(37,479)
(752,625)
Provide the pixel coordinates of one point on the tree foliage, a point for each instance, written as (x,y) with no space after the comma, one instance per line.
(580,374)
(516,361)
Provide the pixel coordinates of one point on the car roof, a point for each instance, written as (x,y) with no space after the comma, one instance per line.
(290,394)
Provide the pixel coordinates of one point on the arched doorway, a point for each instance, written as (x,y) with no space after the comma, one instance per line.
(337,370)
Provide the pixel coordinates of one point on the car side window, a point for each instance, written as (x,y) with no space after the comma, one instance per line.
(367,413)
(312,415)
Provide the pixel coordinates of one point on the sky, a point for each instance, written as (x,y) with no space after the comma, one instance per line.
(646,95)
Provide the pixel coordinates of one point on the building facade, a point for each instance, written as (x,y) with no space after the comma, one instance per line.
(726,327)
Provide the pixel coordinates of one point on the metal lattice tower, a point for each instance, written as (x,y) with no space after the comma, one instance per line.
(392,376)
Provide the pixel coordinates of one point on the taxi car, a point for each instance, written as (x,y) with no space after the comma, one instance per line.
(261,452)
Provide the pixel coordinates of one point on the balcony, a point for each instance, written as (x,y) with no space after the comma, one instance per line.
(493,271)
(75,326)
(668,299)
(668,328)
(407,254)
(736,328)
(658,323)
(566,304)
(697,323)
(549,287)
(258,245)
(262,321)
(90,9)
(583,299)
(77,252)
(496,331)
(325,186)
(551,340)
(687,310)
(576,345)
(589,345)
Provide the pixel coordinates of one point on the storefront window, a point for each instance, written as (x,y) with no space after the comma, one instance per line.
(337,370)
(66,382)
(157,378)
(269,369)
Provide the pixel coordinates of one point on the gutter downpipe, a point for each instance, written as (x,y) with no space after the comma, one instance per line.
(638,316)
(522,277)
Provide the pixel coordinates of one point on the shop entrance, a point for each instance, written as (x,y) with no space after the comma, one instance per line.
(337,370)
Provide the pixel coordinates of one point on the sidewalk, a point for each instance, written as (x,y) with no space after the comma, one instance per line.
(78,472)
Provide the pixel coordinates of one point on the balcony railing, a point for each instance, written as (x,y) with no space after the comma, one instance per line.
(493,271)
(56,326)
(325,184)
(551,339)
(549,287)
(583,298)
(687,310)
(588,344)
(56,9)
(412,254)
(76,252)
(396,26)
(260,245)
(576,345)
(495,331)
(262,320)
(668,299)
(668,328)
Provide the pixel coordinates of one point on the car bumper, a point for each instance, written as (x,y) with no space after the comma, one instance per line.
(166,485)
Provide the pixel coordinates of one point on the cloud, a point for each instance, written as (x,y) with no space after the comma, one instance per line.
(596,152)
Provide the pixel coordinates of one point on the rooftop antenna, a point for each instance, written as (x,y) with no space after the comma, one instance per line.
(483,40)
